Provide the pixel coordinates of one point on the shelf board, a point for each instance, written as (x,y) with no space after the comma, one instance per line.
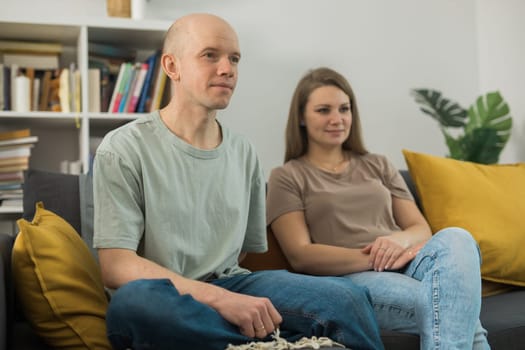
(117,116)
(48,119)
(145,33)
(62,33)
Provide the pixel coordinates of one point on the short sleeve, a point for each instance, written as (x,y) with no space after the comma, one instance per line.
(255,239)
(284,194)
(118,214)
(394,181)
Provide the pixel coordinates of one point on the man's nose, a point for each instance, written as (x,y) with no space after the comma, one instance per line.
(225,67)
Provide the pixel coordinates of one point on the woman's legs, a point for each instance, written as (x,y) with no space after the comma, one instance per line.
(332,307)
(438,296)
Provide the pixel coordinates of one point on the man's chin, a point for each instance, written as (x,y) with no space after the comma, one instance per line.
(221,104)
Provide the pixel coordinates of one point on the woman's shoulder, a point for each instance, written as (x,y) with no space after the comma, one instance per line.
(376,163)
(292,169)
(374,159)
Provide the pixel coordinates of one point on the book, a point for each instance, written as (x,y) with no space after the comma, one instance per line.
(14,73)
(36,61)
(116,88)
(2,104)
(106,50)
(146,94)
(121,85)
(11,186)
(158,91)
(15,152)
(18,46)
(137,89)
(43,101)
(14,161)
(23,94)
(12,168)
(64,91)
(14,134)
(107,85)
(130,80)
(53,103)
(94,90)
(29,72)
(12,202)
(18,141)
(12,176)
(77,99)
(6,84)
(35,94)
(151,61)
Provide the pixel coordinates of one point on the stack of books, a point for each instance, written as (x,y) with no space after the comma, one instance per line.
(30,77)
(15,150)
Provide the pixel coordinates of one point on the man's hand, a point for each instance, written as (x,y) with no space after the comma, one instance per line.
(256,317)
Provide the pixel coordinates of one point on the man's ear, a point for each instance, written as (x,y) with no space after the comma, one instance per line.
(170,66)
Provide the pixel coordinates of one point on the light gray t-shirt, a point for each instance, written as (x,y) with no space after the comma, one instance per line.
(191,210)
(350,209)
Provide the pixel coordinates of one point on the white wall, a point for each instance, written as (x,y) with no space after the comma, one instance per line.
(384,47)
(501,52)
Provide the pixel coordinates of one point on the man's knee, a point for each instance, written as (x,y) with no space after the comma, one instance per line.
(136,298)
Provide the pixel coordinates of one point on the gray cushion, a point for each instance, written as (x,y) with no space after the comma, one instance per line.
(58,192)
(85,185)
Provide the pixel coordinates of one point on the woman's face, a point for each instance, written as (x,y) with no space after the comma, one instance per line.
(327,117)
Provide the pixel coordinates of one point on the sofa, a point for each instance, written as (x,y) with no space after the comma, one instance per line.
(70,197)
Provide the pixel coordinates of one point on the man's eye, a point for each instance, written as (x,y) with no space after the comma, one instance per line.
(235,59)
(209,55)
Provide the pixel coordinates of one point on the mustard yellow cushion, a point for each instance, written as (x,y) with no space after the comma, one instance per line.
(487,200)
(58,283)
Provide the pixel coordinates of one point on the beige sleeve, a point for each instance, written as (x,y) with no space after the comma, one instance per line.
(395,182)
(284,194)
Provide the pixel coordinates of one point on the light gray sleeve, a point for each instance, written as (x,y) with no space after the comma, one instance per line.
(255,240)
(118,209)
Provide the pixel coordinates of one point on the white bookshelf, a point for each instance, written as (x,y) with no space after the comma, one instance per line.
(66,136)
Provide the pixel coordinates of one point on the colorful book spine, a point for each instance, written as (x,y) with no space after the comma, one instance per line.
(145,94)
(141,76)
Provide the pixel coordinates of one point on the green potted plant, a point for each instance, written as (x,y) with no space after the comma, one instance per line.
(486,124)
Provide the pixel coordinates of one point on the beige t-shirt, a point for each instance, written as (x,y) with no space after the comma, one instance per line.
(349,209)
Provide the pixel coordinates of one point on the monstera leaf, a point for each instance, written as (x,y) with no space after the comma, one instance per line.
(448,113)
(487,124)
(491,111)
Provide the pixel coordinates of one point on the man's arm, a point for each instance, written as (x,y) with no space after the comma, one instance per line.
(120,266)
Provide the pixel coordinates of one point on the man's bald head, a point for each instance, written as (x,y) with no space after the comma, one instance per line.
(187,26)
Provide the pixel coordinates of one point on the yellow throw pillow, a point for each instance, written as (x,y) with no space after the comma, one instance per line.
(487,200)
(58,283)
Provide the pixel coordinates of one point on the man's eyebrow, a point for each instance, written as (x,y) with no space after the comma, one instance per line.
(214,49)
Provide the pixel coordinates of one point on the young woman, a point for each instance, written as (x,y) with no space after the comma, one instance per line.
(338,210)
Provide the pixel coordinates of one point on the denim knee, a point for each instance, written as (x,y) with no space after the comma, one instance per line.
(457,237)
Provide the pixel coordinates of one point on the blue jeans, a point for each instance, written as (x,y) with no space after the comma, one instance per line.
(437,295)
(151,314)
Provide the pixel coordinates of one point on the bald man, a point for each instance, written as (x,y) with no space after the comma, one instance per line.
(179,200)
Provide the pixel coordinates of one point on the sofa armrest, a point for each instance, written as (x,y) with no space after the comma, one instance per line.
(6,296)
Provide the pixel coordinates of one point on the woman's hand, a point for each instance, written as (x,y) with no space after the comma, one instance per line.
(387,253)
